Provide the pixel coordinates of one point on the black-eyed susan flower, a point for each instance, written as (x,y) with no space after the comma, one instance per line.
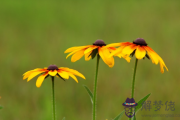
(100,49)
(90,51)
(52,70)
(140,49)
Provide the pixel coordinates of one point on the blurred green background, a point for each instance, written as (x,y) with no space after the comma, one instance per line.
(35,34)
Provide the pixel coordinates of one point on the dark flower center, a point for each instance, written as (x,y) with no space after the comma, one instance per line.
(99,43)
(52,67)
(140,41)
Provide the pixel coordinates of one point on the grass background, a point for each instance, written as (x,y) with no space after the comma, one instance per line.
(35,34)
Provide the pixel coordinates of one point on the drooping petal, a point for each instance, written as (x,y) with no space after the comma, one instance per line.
(73,76)
(63,74)
(116,51)
(102,56)
(129,49)
(162,65)
(152,55)
(33,74)
(126,57)
(90,49)
(111,49)
(156,58)
(77,56)
(87,56)
(52,72)
(40,80)
(105,55)
(75,72)
(140,52)
(112,60)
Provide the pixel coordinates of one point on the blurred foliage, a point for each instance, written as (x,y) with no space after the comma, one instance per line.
(35,34)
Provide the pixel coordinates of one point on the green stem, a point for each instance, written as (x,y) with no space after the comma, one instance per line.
(133,82)
(53,99)
(134,75)
(95,88)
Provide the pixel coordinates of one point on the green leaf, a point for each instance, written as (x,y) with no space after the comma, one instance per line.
(141,102)
(119,116)
(89,92)
(137,108)
(63,118)
(1,107)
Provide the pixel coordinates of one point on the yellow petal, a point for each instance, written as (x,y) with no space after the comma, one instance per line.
(74,48)
(156,58)
(125,43)
(72,53)
(129,49)
(90,49)
(78,49)
(126,57)
(152,55)
(112,61)
(31,71)
(73,76)
(105,55)
(40,80)
(33,74)
(87,56)
(52,73)
(63,74)
(26,75)
(140,52)
(113,45)
(111,49)
(77,56)
(75,72)
(115,52)
(27,72)
(162,65)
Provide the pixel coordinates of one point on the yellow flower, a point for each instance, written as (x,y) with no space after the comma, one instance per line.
(90,51)
(52,70)
(140,49)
